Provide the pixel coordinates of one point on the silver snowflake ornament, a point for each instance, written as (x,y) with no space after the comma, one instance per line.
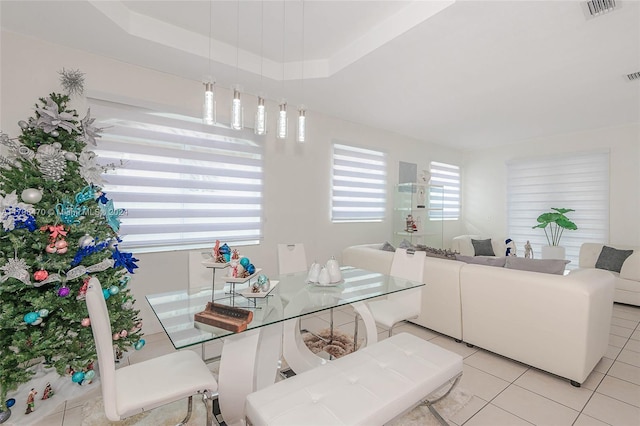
(72,81)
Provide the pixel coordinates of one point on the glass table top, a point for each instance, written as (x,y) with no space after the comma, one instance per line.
(292,297)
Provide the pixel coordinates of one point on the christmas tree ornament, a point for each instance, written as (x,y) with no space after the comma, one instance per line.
(86,322)
(86,241)
(77,377)
(61,246)
(113,244)
(124,281)
(250,268)
(31,195)
(63,291)
(106,294)
(23,124)
(55,133)
(111,214)
(139,344)
(245,262)
(70,156)
(90,170)
(38,321)
(52,163)
(114,289)
(31,317)
(43,313)
(50,249)
(72,81)
(51,118)
(124,260)
(116,336)
(89,131)
(124,333)
(89,375)
(16,268)
(87,193)
(127,306)
(68,212)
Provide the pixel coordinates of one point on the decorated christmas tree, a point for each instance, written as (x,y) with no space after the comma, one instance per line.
(58,229)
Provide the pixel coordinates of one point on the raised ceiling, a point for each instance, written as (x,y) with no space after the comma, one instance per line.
(466,74)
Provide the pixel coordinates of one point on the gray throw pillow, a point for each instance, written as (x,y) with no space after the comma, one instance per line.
(547,266)
(483,247)
(387,247)
(612,259)
(406,244)
(483,260)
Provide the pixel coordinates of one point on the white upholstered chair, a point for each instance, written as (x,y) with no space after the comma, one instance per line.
(149,384)
(291,258)
(405,304)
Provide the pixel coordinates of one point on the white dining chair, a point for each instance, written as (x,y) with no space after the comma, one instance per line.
(142,386)
(404,305)
(291,258)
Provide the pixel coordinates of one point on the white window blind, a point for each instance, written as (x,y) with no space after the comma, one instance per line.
(183,184)
(359,184)
(448,177)
(577,181)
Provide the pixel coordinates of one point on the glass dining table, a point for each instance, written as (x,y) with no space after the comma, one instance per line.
(249,359)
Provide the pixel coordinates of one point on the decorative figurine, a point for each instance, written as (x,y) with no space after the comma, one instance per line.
(47,392)
(31,398)
(511,247)
(118,355)
(528,251)
(411,224)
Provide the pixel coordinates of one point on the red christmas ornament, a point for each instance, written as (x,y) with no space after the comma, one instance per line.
(40,275)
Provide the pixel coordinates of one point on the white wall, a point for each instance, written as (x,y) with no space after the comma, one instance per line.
(296,176)
(484,180)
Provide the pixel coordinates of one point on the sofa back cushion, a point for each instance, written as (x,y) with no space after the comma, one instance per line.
(547,266)
(483,260)
(462,245)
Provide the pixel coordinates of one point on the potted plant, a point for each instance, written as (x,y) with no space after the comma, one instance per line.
(556,222)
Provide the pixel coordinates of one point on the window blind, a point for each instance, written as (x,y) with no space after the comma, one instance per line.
(579,181)
(359,184)
(448,198)
(183,184)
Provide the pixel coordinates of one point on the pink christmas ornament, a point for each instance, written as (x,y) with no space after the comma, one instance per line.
(123,333)
(60,244)
(116,336)
(86,322)
(51,249)
(40,275)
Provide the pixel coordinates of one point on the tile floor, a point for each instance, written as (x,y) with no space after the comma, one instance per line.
(504,392)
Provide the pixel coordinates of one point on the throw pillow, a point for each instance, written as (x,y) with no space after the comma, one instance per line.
(483,260)
(483,247)
(406,244)
(612,259)
(547,266)
(387,247)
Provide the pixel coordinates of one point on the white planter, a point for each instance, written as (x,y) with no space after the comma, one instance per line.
(553,252)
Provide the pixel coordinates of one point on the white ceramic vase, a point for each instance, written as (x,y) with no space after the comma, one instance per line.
(314,272)
(334,270)
(553,252)
(323,277)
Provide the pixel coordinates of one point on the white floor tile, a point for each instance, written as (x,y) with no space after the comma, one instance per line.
(611,411)
(495,416)
(73,417)
(584,420)
(617,341)
(624,371)
(612,352)
(496,365)
(603,365)
(339,317)
(593,380)
(621,390)
(555,388)
(481,384)
(474,405)
(636,335)
(416,330)
(534,408)
(626,312)
(55,419)
(630,357)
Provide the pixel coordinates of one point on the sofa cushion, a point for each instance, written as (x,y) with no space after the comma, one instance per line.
(387,246)
(612,259)
(483,260)
(483,247)
(547,266)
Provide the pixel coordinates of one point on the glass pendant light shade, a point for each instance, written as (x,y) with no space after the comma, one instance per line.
(301,131)
(261,118)
(282,121)
(209,105)
(236,111)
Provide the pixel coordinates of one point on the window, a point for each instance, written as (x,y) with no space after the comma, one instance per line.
(447,176)
(359,184)
(183,184)
(579,181)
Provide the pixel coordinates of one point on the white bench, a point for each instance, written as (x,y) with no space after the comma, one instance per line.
(369,387)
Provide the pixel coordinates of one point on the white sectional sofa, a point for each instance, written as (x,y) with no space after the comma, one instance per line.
(558,323)
(627,281)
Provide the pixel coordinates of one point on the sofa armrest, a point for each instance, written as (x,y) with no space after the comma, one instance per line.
(369,257)
(631,267)
(589,253)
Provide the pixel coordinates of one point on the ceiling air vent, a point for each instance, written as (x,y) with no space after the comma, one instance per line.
(634,76)
(598,7)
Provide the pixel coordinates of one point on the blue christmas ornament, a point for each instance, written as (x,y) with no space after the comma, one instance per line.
(43,313)
(106,294)
(87,193)
(245,262)
(114,289)
(77,377)
(139,344)
(31,317)
(23,219)
(89,375)
(68,212)
(111,214)
(124,281)
(250,268)
(102,198)
(225,251)
(262,279)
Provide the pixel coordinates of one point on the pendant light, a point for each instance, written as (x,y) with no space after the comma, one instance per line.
(301,129)
(209,104)
(236,103)
(260,126)
(282,114)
